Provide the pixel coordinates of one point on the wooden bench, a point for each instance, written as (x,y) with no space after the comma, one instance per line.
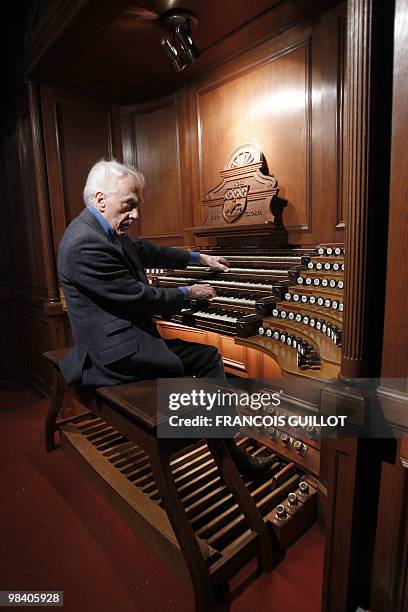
(171,492)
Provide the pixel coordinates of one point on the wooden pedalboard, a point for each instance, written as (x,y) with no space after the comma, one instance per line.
(121,471)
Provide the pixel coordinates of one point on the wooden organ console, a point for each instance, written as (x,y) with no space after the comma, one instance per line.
(281,301)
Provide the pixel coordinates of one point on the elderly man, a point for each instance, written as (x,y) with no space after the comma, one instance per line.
(110,303)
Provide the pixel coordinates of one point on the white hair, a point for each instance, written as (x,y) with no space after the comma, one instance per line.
(104,177)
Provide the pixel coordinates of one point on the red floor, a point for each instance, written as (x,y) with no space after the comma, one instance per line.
(57,533)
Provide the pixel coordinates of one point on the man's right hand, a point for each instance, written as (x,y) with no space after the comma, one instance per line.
(201,292)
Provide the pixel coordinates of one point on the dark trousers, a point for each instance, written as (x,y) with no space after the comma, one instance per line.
(204,361)
(198,360)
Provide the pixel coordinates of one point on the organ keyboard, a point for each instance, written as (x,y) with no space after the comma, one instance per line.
(292,297)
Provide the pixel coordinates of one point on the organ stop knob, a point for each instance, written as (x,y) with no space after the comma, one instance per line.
(303,487)
(300,447)
(281,511)
(285,439)
(292,499)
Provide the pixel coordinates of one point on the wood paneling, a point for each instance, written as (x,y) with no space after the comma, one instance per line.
(153,144)
(354,470)
(6,247)
(79,131)
(367,159)
(395,354)
(40,332)
(264,99)
(390,585)
(329,217)
(41,193)
(22,205)
(390,560)
(285,96)
(238,360)
(14,193)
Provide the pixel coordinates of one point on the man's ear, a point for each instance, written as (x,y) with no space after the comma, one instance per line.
(100,202)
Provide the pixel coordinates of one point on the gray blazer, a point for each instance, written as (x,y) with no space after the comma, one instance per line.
(110,305)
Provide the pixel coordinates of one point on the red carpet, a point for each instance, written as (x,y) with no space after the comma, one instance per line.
(58,534)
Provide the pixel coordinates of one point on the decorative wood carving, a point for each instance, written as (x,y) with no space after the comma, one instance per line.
(246,199)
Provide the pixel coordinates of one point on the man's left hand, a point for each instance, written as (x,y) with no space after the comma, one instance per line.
(214,262)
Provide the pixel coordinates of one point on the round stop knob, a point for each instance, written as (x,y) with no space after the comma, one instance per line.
(292,499)
(304,487)
(299,447)
(285,439)
(281,511)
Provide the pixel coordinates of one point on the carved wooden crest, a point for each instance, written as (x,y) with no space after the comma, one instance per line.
(244,195)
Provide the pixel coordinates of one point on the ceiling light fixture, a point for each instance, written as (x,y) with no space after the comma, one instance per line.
(180,47)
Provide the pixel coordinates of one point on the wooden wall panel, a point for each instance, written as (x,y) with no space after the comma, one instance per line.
(6,246)
(79,131)
(266,103)
(153,142)
(40,333)
(13,194)
(395,354)
(331,216)
(390,581)
(156,141)
(26,231)
(390,573)
(285,96)
(11,357)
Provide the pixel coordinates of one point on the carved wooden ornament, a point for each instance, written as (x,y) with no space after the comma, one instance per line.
(246,194)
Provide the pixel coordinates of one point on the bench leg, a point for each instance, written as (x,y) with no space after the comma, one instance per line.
(203,591)
(53,412)
(269,548)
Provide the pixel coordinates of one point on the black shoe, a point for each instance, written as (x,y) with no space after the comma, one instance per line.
(247,465)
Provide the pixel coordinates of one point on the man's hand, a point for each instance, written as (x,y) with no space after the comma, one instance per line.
(201,292)
(216,263)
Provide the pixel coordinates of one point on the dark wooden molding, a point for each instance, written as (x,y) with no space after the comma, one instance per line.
(366,162)
(42,192)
